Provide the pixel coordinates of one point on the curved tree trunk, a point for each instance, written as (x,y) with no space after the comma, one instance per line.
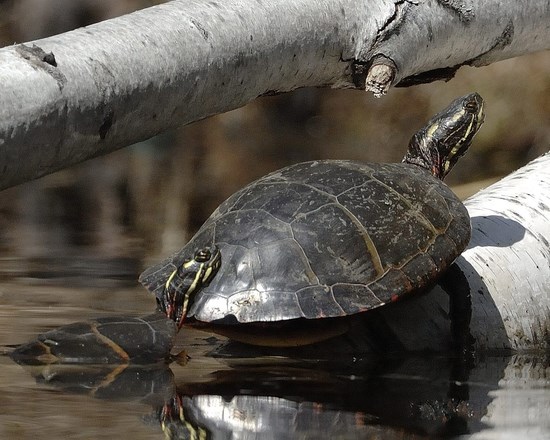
(87,92)
(506,270)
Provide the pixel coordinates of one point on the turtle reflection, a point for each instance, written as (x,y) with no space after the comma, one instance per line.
(285,398)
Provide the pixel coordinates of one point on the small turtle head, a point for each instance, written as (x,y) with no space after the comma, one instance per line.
(447,136)
(184,282)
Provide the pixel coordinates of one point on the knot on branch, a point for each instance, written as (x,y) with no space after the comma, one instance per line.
(380,75)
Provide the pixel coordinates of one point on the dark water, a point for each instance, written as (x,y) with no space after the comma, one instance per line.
(228,392)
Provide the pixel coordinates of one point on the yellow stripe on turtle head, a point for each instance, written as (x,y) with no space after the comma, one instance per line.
(198,278)
(460,143)
(188,264)
(169,280)
(207,273)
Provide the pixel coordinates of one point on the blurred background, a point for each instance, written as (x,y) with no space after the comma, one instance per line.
(111,216)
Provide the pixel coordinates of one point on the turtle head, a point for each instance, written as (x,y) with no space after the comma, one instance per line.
(447,136)
(184,282)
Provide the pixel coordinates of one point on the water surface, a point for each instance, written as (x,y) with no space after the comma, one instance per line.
(231,392)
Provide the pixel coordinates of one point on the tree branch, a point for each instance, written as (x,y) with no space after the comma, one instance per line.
(90,91)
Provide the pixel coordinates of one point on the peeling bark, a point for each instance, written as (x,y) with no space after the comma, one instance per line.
(88,92)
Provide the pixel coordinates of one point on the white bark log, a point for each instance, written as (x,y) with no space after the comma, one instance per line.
(507,265)
(126,79)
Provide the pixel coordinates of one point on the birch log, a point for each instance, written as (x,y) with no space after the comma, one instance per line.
(87,92)
(507,267)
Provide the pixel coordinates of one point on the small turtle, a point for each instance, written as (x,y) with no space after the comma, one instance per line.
(285,259)
(109,340)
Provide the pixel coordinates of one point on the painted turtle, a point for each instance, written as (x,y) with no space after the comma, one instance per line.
(109,340)
(323,239)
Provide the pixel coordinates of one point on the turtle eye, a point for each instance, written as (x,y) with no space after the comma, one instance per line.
(202,255)
(471,106)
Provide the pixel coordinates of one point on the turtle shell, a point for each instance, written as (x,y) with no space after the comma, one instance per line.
(108,340)
(324,239)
